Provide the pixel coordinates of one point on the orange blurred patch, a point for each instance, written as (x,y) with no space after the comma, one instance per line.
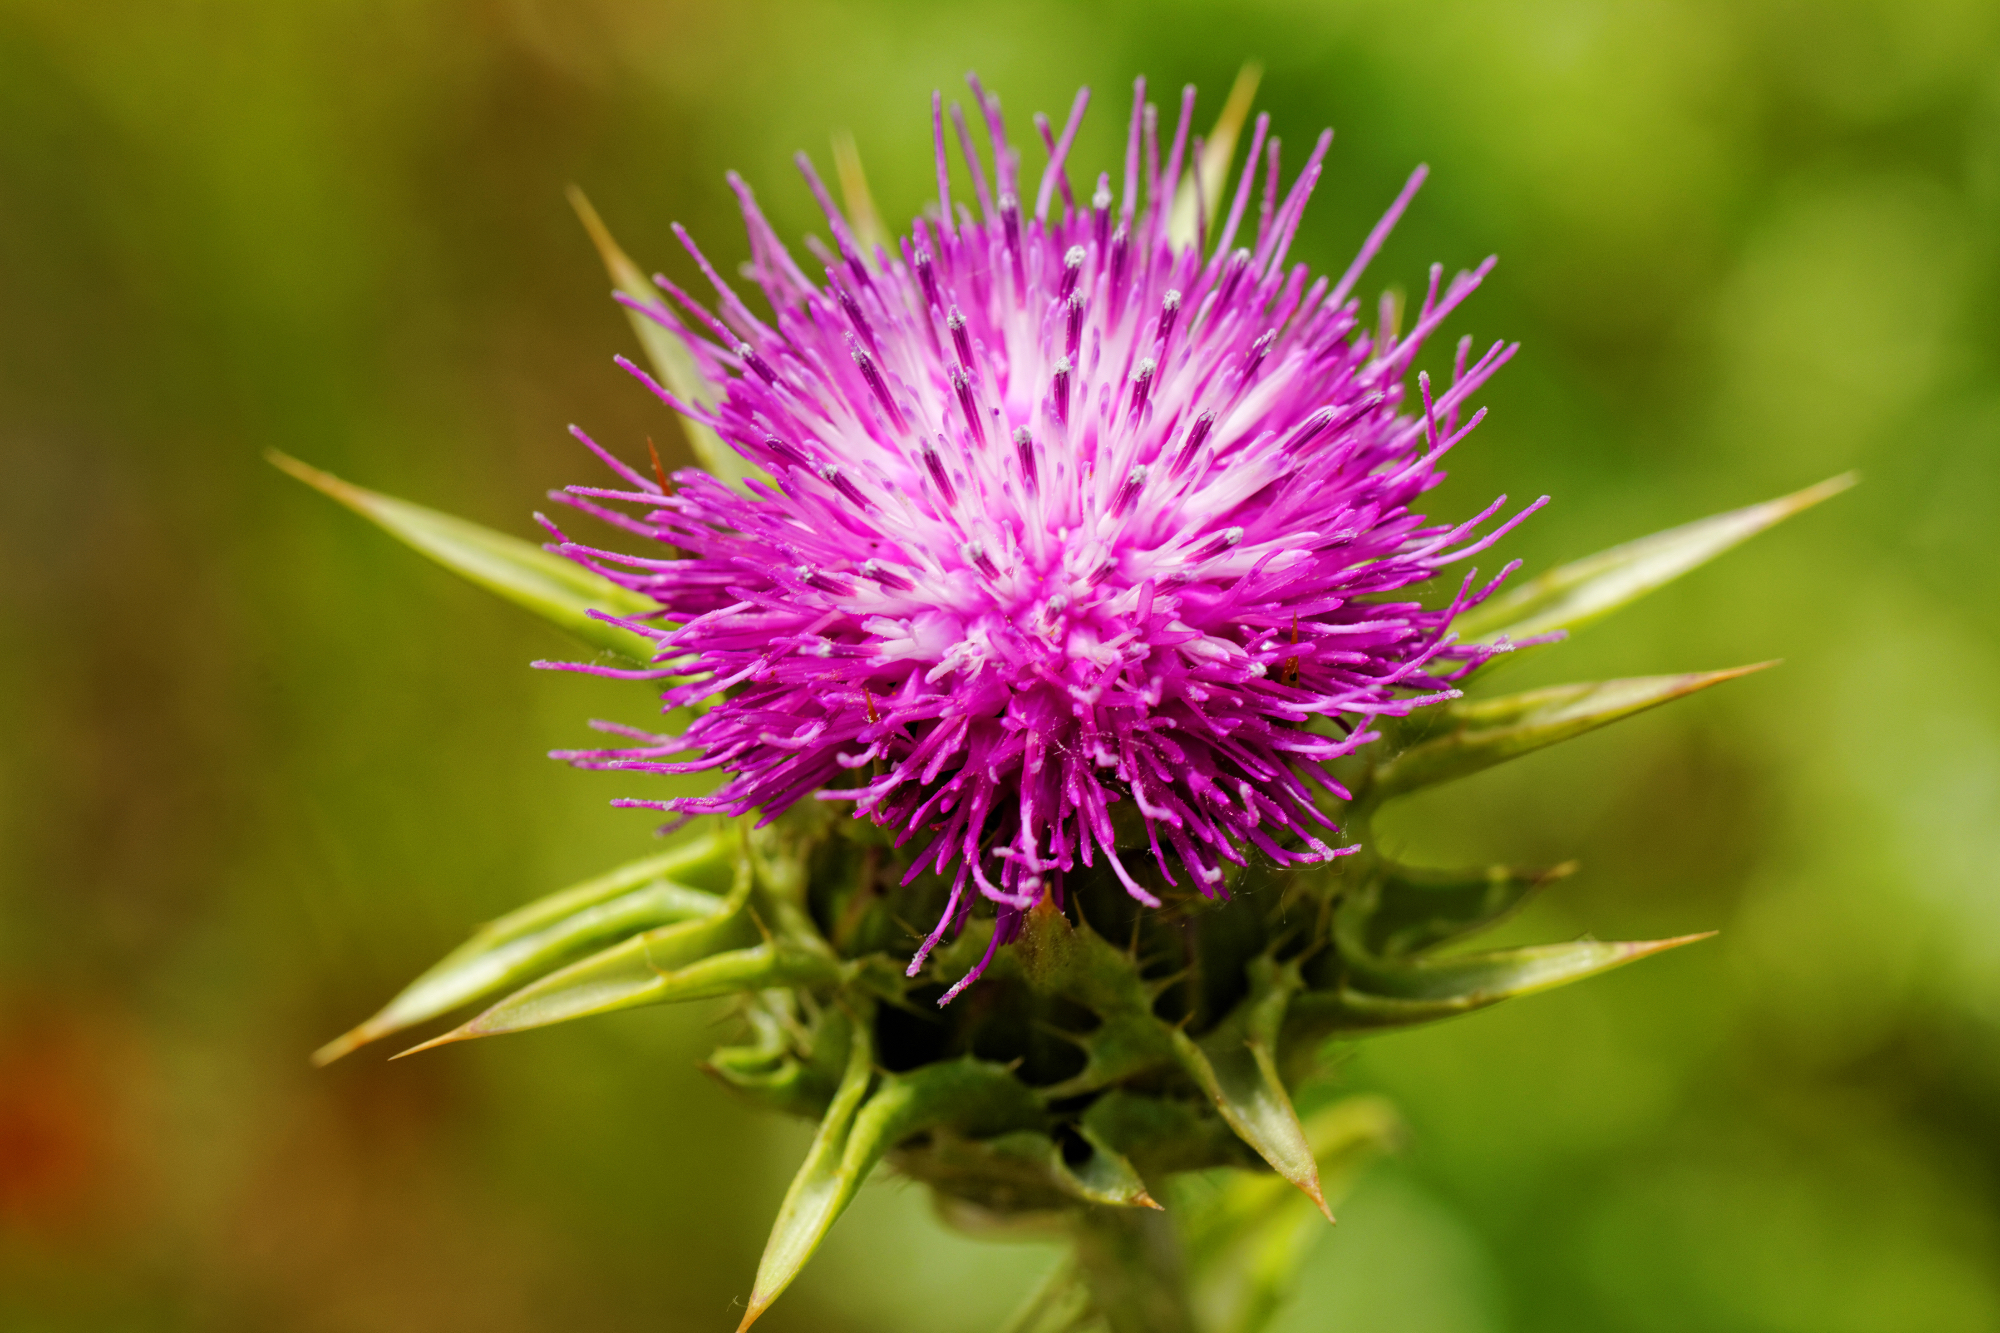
(60,1141)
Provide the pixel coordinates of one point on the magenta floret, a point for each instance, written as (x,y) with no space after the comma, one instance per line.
(1066,514)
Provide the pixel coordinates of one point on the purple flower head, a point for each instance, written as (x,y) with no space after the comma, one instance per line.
(1068,512)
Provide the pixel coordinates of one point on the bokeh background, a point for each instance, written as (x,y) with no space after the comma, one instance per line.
(259,765)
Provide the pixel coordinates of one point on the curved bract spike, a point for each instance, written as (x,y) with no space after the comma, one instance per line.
(1247,1243)
(976,1097)
(1211,169)
(819,1191)
(693,960)
(1236,1065)
(555,588)
(1585,590)
(531,940)
(659,333)
(1482,978)
(1342,1135)
(1105,1177)
(1383,995)
(1408,910)
(667,966)
(1468,735)
(855,195)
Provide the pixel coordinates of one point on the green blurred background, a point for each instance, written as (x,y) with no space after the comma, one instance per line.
(260,765)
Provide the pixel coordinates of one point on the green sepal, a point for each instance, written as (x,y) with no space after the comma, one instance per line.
(665,348)
(691,960)
(787,1067)
(1023,1171)
(1380,995)
(978,1098)
(1163,1136)
(974,1097)
(532,940)
(822,1188)
(1236,1065)
(1574,595)
(1343,1135)
(1106,1177)
(669,966)
(1407,910)
(1465,736)
(1078,964)
(1248,1239)
(1474,980)
(555,588)
(1121,1047)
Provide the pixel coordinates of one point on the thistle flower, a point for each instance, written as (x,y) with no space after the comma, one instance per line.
(1070,511)
(1082,564)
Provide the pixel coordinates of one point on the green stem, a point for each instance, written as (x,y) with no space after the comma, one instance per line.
(1059,1305)
(1132,1262)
